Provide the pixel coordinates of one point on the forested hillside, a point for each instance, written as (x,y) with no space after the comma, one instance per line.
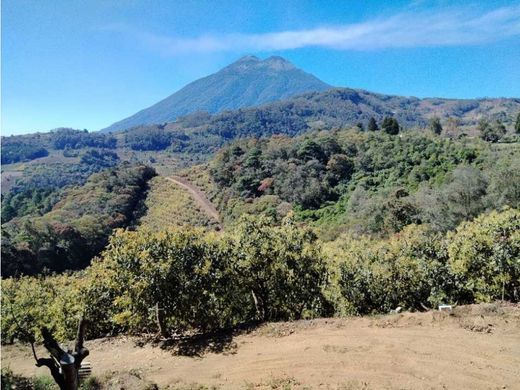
(367,182)
(202,134)
(78,226)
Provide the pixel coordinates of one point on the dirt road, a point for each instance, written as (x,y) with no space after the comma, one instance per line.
(198,195)
(477,347)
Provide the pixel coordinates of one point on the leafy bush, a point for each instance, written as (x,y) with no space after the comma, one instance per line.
(195,280)
(479,262)
(407,270)
(485,256)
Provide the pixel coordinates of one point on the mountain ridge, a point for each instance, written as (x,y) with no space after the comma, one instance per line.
(246,82)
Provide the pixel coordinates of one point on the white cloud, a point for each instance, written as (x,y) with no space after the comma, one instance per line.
(412,29)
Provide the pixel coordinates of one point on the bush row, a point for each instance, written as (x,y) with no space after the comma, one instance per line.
(180,280)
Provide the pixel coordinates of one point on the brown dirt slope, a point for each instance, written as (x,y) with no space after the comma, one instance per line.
(474,347)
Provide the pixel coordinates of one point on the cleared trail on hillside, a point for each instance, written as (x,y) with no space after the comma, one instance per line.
(197,195)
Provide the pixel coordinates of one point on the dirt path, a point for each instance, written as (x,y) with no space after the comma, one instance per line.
(198,195)
(478,347)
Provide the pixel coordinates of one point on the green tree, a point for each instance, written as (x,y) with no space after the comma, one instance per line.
(465,194)
(504,186)
(310,150)
(435,125)
(378,275)
(390,126)
(168,280)
(491,132)
(517,124)
(339,167)
(281,267)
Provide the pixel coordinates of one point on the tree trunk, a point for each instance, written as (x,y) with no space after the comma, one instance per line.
(159,315)
(69,372)
(255,300)
(64,366)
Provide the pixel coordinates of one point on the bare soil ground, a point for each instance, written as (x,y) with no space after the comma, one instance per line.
(474,347)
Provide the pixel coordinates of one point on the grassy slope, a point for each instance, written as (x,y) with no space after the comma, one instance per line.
(168,205)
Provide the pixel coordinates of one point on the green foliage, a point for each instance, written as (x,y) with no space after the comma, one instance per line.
(517,124)
(29,303)
(406,270)
(103,159)
(461,197)
(491,132)
(13,152)
(416,268)
(197,280)
(44,382)
(258,271)
(365,181)
(29,200)
(282,267)
(41,186)
(485,256)
(77,139)
(148,138)
(504,181)
(183,272)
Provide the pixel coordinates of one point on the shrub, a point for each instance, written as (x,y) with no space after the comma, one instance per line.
(485,256)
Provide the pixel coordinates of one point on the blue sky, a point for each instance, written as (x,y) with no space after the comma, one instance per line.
(89,63)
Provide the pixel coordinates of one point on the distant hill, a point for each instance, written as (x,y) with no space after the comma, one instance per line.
(246,82)
(332,109)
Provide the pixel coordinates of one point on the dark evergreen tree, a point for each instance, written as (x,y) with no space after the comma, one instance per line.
(372,125)
(517,124)
(435,125)
(390,126)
